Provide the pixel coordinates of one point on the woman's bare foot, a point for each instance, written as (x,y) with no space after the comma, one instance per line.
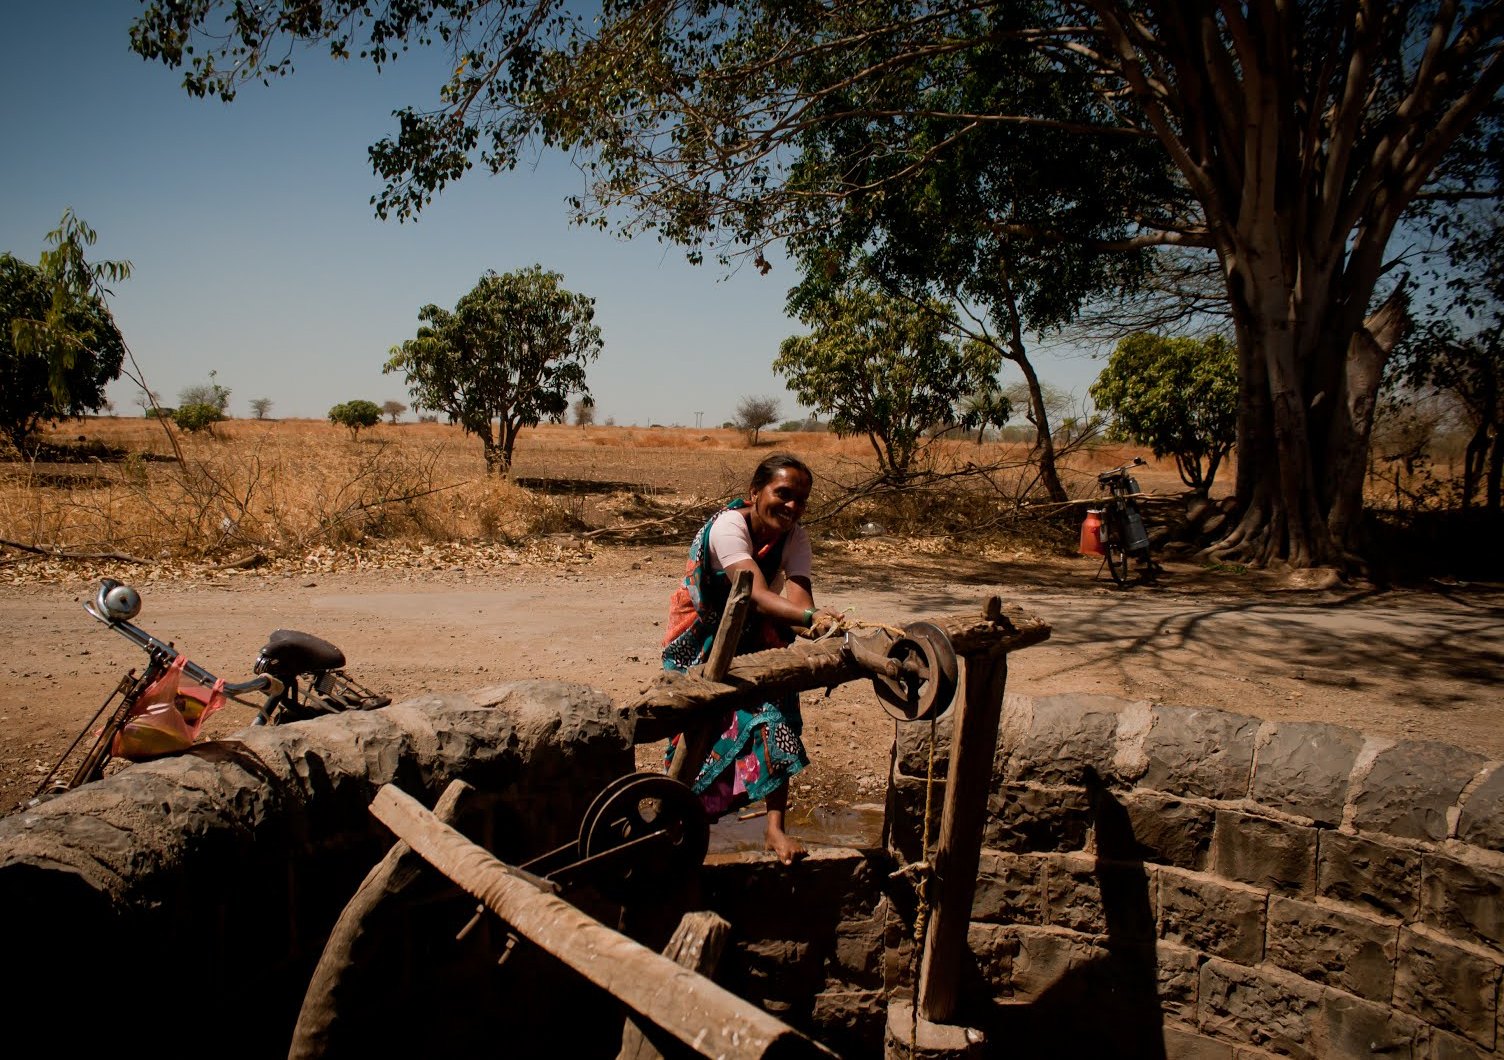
(778,841)
(784,845)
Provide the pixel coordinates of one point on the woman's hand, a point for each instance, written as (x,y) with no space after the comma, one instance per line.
(824,624)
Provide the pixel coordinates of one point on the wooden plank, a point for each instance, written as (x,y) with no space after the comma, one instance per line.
(338,973)
(706,1017)
(699,737)
(696,944)
(669,706)
(959,848)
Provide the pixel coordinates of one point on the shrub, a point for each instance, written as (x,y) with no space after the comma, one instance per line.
(196,417)
(355,415)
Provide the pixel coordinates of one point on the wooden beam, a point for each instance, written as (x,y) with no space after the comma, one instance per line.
(706,1017)
(671,704)
(974,728)
(696,944)
(699,736)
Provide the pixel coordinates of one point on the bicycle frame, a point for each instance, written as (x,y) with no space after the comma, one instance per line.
(1124,536)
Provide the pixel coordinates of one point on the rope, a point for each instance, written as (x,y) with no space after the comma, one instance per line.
(923,873)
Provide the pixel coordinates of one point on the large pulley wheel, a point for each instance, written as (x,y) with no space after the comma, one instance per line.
(668,819)
(927,674)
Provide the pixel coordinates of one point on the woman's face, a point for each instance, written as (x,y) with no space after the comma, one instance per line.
(779,504)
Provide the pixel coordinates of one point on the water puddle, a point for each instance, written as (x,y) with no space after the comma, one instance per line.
(836,826)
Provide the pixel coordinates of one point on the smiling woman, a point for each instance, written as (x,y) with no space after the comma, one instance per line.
(759,748)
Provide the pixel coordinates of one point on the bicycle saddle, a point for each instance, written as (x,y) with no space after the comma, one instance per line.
(289,653)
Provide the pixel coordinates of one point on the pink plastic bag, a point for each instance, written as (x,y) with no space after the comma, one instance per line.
(168,716)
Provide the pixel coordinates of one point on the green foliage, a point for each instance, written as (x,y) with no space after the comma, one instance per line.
(41,382)
(883,367)
(982,409)
(355,415)
(512,350)
(1177,396)
(75,292)
(197,417)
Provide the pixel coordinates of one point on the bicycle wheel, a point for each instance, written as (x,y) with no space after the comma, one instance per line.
(1117,555)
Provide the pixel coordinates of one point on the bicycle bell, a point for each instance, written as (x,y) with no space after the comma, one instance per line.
(116,601)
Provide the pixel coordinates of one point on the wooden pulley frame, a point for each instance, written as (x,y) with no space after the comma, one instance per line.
(920,678)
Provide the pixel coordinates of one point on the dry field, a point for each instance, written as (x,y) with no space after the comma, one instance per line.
(268,492)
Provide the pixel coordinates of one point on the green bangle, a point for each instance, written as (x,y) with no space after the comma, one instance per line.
(809,616)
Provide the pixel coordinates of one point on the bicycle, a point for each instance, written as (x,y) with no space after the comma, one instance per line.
(300,676)
(1116,532)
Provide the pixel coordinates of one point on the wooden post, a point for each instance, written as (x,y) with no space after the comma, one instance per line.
(708,1018)
(697,739)
(958,852)
(340,966)
(696,944)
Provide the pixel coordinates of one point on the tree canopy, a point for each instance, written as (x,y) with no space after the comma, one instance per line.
(51,380)
(1179,396)
(355,416)
(512,350)
(1294,139)
(882,367)
(753,413)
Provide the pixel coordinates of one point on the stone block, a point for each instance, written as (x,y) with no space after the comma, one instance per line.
(1072,898)
(1212,915)
(1024,818)
(1182,1042)
(856,958)
(1260,1007)
(995,950)
(1444,1046)
(1481,822)
(1334,945)
(1450,986)
(1276,855)
(1304,768)
(1199,751)
(1351,1027)
(1045,957)
(1409,788)
(1010,889)
(1368,871)
(850,1021)
(1178,973)
(1169,830)
(913,757)
(906,816)
(1463,898)
(1056,739)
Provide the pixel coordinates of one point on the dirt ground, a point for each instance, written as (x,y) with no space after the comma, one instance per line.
(1403,664)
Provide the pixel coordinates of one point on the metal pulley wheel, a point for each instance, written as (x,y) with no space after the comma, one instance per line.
(927,674)
(662,815)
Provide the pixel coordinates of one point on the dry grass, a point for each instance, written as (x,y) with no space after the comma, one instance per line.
(279,489)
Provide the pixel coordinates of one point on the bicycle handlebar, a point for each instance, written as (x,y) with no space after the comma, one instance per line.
(145,641)
(1118,472)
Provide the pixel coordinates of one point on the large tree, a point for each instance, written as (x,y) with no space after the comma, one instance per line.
(62,373)
(512,350)
(1301,134)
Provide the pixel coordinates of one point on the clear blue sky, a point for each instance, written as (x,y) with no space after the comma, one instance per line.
(256,252)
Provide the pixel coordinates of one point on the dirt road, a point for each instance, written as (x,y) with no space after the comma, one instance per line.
(1417,665)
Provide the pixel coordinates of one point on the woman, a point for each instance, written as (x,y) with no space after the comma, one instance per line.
(759,748)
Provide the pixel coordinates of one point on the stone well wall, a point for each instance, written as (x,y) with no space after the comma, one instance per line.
(181,905)
(1195,883)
